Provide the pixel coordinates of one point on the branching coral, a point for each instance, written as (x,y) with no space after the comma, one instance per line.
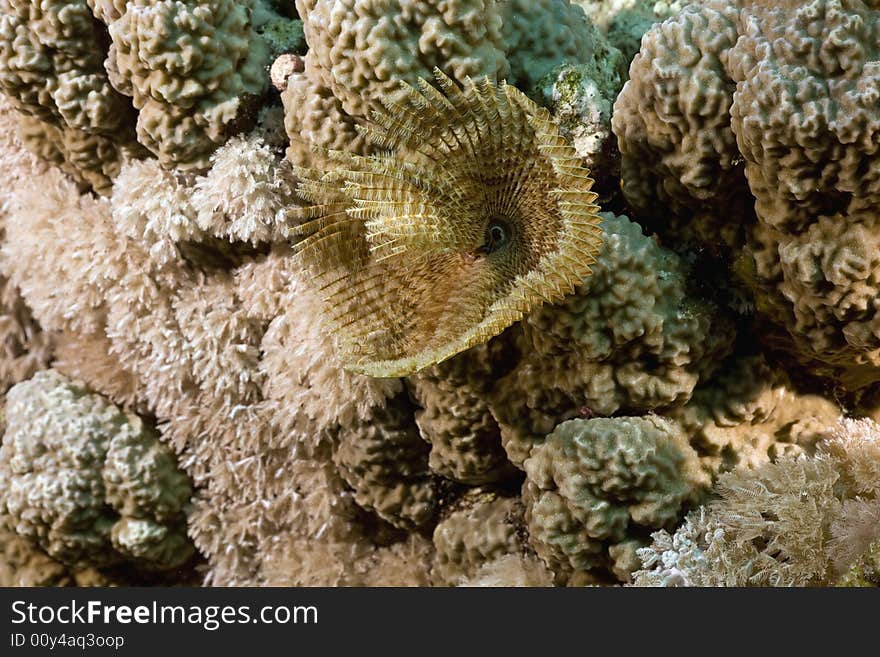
(90,485)
(481,213)
(755,123)
(800,521)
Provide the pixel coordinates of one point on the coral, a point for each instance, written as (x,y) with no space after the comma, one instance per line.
(386,463)
(594,484)
(866,572)
(481,213)
(21,564)
(580,98)
(89,484)
(631,338)
(363,49)
(464,437)
(748,413)
(93,161)
(245,194)
(190,69)
(227,265)
(625,21)
(51,65)
(511,570)
(314,118)
(481,530)
(755,123)
(225,353)
(540,35)
(796,522)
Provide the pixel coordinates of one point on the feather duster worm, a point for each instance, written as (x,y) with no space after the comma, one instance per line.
(474,212)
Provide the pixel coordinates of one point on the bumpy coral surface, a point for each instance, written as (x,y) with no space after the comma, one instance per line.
(630,338)
(218,219)
(481,213)
(189,67)
(87,483)
(484,529)
(51,64)
(364,48)
(756,123)
(592,480)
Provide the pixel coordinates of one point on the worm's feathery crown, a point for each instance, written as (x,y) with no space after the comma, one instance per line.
(476,212)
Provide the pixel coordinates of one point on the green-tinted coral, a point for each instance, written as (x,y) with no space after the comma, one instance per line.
(89,484)
(599,484)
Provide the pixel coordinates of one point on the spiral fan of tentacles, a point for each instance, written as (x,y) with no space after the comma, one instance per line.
(475,212)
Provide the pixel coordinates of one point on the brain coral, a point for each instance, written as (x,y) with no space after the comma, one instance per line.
(593,481)
(756,124)
(89,484)
(481,213)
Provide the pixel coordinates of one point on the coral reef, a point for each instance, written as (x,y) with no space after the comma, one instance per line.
(106,82)
(482,529)
(219,220)
(754,124)
(631,338)
(592,482)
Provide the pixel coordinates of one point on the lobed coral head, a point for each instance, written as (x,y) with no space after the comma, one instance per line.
(476,212)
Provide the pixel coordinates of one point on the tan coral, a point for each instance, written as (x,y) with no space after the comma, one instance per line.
(405,43)
(190,69)
(483,528)
(633,337)
(481,214)
(385,461)
(748,413)
(314,119)
(594,483)
(755,124)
